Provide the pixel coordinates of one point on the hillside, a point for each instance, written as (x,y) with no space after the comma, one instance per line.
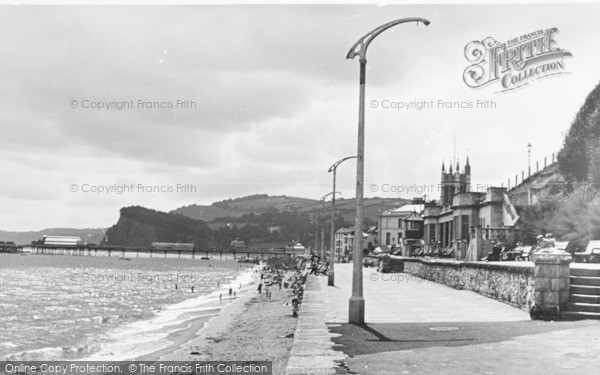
(346,208)
(257,204)
(139,227)
(208,226)
(88,235)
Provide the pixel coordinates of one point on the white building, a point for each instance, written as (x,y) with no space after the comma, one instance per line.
(344,242)
(402,227)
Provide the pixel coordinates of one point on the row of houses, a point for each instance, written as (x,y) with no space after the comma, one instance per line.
(463,223)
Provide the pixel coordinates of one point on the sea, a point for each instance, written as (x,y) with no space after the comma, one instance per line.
(61,307)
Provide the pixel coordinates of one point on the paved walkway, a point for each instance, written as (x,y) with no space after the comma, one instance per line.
(312,351)
(414,326)
(403,298)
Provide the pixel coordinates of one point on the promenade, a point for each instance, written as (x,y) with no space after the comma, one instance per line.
(415,326)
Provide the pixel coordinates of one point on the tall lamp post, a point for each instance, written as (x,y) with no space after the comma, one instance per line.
(323,227)
(333,193)
(529,147)
(356,310)
(330,273)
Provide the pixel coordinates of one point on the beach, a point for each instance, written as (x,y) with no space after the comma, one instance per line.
(178,323)
(252,327)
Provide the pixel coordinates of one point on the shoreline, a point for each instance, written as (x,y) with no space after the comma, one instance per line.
(104,309)
(203,325)
(201,308)
(253,327)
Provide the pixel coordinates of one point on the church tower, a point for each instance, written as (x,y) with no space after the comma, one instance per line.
(454,182)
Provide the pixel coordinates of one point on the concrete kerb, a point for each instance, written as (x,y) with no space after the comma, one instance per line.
(312,350)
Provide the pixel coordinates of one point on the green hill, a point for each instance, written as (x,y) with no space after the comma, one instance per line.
(257,204)
(139,226)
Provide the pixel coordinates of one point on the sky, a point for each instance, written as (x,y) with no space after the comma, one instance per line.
(271,100)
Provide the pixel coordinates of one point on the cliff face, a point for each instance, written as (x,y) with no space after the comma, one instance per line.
(548,181)
(139,227)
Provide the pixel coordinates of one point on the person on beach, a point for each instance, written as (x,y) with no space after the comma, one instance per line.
(175,286)
(220,296)
(230,292)
(192,289)
(294,307)
(260,288)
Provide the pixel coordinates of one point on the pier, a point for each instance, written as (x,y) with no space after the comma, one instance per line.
(148,252)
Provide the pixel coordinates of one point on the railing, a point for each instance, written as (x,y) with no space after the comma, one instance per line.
(532,170)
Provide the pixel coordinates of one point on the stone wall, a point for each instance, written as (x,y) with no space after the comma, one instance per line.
(512,284)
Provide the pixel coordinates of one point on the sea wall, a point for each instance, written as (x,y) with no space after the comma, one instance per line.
(509,283)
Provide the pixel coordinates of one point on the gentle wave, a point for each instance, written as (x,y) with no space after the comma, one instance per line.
(44,315)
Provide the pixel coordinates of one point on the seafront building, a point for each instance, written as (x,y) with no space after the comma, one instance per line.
(344,242)
(401,229)
(468,221)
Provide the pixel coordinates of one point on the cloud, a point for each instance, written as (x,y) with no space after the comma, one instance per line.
(276,102)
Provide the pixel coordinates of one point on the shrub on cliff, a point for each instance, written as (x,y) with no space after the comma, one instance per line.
(579,158)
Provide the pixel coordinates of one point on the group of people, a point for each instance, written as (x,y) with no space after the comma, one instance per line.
(544,242)
(232,292)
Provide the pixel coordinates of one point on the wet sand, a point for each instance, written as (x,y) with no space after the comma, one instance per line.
(252,327)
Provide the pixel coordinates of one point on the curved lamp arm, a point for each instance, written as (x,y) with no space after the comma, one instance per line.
(368,38)
(335,165)
(328,194)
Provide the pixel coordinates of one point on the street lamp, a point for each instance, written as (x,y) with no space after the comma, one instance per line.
(333,193)
(330,272)
(529,147)
(356,310)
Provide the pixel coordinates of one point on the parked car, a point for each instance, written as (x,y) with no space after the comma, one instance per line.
(591,254)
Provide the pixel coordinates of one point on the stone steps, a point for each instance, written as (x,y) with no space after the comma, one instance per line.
(585,280)
(585,289)
(584,307)
(579,315)
(584,299)
(585,272)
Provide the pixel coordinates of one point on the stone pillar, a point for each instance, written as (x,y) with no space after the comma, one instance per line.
(551,283)
(475,245)
(384,263)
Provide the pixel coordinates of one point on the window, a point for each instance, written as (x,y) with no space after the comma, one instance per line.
(464,219)
(412,225)
(399,236)
(432,235)
(387,238)
(400,223)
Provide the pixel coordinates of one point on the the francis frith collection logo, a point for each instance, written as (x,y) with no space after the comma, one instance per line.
(514,63)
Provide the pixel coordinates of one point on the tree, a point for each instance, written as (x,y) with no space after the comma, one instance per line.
(582,140)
